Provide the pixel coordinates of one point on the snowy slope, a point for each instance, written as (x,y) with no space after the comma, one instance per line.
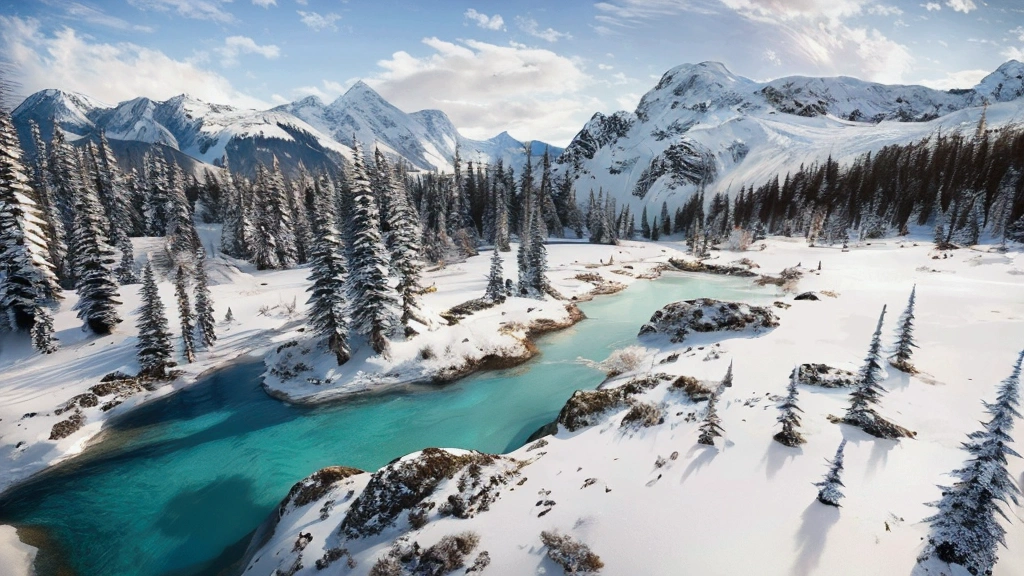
(704,126)
(652,501)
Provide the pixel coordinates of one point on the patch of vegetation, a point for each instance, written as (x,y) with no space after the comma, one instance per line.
(574,557)
(316,485)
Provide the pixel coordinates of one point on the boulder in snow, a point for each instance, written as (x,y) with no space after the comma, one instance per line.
(679,319)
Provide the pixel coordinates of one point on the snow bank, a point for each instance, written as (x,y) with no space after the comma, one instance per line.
(16,557)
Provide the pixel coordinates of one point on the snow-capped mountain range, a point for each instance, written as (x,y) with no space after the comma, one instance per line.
(703,126)
(306,130)
(700,126)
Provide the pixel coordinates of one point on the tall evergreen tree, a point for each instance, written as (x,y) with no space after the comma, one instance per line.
(93,265)
(966,529)
(112,191)
(666,222)
(185,315)
(403,243)
(154,346)
(125,271)
(204,302)
(538,259)
(905,338)
(789,415)
(26,273)
(830,488)
(67,184)
(373,301)
(48,209)
(645,226)
(233,210)
(501,216)
(264,240)
(327,272)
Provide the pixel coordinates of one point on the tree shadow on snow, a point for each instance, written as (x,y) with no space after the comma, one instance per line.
(879,455)
(816,522)
(776,456)
(707,454)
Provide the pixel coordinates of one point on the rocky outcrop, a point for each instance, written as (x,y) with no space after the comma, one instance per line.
(704,267)
(679,319)
(825,376)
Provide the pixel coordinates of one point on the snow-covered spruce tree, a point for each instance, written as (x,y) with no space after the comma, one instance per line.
(126,268)
(48,210)
(26,273)
(495,279)
(645,226)
(186,315)
(727,379)
(181,230)
(868,393)
(523,266)
(403,243)
(204,303)
(902,351)
(501,220)
(154,346)
(112,191)
(42,331)
(537,257)
(372,299)
(93,265)
(327,272)
(232,239)
(263,243)
(160,180)
(655,230)
(829,489)
(966,529)
(711,426)
(789,415)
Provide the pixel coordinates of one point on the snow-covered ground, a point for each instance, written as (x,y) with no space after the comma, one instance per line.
(652,501)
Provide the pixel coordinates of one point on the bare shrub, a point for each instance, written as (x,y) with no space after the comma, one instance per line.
(739,240)
(427,353)
(448,555)
(386,567)
(623,360)
(643,415)
(574,557)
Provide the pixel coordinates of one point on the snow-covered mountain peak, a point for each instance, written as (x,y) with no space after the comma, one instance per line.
(1003,85)
(69,110)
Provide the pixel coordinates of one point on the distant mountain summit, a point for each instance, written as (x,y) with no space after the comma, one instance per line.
(704,128)
(307,130)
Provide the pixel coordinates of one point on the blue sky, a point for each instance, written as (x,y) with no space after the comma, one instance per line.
(537,69)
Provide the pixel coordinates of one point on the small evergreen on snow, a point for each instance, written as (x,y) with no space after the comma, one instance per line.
(42,331)
(789,415)
(495,279)
(905,338)
(829,489)
(868,393)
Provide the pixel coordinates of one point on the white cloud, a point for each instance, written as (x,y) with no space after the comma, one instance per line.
(318,22)
(265,3)
(196,9)
(531,27)
(486,88)
(959,79)
(605,67)
(108,72)
(772,57)
(92,15)
(1013,53)
(495,22)
(237,45)
(932,6)
(884,10)
(964,6)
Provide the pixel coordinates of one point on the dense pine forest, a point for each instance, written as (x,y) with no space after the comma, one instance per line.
(69,212)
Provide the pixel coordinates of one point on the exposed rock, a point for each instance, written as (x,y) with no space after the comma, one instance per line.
(313,487)
(403,484)
(66,428)
(708,315)
(585,407)
(825,376)
(807,296)
(643,415)
(699,266)
(456,313)
(695,389)
(87,400)
(574,557)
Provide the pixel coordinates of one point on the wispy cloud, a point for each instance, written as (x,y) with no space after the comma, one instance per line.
(234,46)
(964,6)
(487,88)
(196,9)
(932,6)
(109,72)
(495,22)
(265,3)
(319,22)
(86,13)
(531,27)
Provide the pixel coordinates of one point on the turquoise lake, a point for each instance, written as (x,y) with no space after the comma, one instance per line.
(176,487)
